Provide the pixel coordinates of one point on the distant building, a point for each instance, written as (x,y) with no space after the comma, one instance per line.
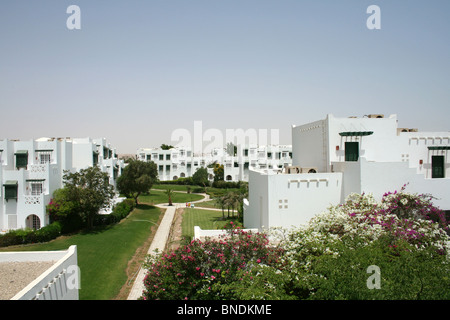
(181,162)
(334,157)
(32,170)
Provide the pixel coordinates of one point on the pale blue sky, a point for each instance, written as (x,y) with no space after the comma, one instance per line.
(139,69)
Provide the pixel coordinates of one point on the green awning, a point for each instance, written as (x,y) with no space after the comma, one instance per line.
(21,152)
(439,148)
(355,133)
(10,183)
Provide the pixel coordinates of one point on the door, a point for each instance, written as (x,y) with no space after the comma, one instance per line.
(351,151)
(437,167)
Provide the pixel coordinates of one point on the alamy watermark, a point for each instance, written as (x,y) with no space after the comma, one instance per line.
(373,22)
(206,141)
(73,280)
(374,281)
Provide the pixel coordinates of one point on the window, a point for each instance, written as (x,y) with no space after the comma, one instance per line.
(43,156)
(161,157)
(437,167)
(351,151)
(149,157)
(21,159)
(10,190)
(167,156)
(95,158)
(36,188)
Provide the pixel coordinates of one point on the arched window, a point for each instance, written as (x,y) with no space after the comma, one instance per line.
(33,222)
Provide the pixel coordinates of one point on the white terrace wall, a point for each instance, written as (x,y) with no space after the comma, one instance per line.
(59,282)
(291,199)
(381,177)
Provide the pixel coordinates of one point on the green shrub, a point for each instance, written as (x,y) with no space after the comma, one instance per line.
(24,236)
(49,232)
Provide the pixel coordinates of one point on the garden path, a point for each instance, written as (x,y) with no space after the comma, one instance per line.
(159,243)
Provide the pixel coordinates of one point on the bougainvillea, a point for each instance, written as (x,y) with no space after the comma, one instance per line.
(400,220)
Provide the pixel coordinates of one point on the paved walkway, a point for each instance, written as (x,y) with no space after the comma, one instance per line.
(159,243)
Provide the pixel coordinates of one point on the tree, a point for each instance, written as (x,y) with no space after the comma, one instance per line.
(64,210)
(218,172)
(137,177)
(88,191)
(169,193)
(220,202)
(200,177)
(166,147)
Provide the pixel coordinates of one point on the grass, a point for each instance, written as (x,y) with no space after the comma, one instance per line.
(159,196)
(208,204)
(213,192)
(103,254)
(205,219)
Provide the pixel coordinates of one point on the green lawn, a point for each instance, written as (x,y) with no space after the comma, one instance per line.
(159,196)
(207,204)
(103,254)
(205,219)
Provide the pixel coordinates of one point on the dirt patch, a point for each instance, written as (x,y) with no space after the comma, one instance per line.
(135,263)
(175,236)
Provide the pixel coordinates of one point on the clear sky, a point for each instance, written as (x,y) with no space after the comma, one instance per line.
(139,69)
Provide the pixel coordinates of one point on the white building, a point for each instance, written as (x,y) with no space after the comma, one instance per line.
(345,155)
(32,170)
(181,162)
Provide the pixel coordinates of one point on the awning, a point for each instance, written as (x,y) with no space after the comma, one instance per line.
(10,183)
(21,152)
(439,148)
(355,133)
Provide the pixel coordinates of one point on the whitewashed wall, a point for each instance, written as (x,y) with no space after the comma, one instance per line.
(285,200)
(59,282)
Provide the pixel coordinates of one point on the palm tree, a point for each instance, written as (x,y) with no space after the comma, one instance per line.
(220,202)
(169,193)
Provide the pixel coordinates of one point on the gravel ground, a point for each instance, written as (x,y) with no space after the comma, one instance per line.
(14,276)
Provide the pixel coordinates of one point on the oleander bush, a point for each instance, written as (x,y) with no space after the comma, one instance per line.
(199,269)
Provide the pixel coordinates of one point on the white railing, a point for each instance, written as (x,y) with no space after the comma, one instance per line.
(60,282)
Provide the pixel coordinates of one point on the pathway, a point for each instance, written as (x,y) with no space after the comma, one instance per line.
(158,243)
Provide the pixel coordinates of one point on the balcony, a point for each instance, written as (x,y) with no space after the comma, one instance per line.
(58,280)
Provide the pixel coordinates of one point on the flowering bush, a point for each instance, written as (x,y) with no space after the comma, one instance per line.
(403,234)
(399,224)
(192,271)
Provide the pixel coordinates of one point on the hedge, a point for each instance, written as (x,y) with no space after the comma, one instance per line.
(55,229)
(23,236)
